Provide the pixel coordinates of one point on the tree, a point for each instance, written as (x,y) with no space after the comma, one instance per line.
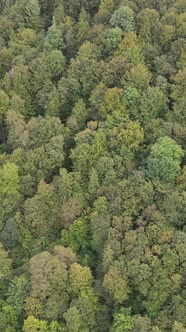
(9,179)
(123,321)
(32,15)
(41,212)
(56,62)
(17,104)
(16,294)
(137,77)
(53,103)
(69,37)
(112,101)
(178,327)
(106,8)
(10,197)
(53,39)
(73,319)
(8,318)
(66,255)
(114,36)
(167,35)
(142,324)
(32,324)
(116,285)
(83,312)
(131,49)
(9,234)
(77,237)
(178,88)
(55,326)
(123,18)
(78,117)
(93,182)
(99,223)
(40,147)
(82,26)
(106,5)
(132,100)
(164,160)
(48,275)
(5,266)
(4,103)
(86,68)
(154,104)
(18,81)
(114,70)
(80,279)
(127,140)
(181,19)
(92,175)
(6,59)
(148,23)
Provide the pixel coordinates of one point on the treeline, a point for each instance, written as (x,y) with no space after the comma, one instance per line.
(92,175)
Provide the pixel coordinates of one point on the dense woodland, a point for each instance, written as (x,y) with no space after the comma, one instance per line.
(92,165)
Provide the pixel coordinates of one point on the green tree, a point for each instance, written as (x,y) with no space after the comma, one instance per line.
(16,294)
(78,117)
(41,212)
(66,255)
(32,324)
(32,15)
(99,223)
(106,5)
(53,39)
(56,327)
(178,327)
(9,179)
(17,104)
(149,25)
(5,266)
(56,62)
(137,77)
(10,196)
(77,237)
(106,8)
(8,318)
(116,285)
(112,101)
(80,279)
(131,49)
(123,18)
(73,319)
(9,235)
(123,321)
(18,81)
(142,324)
(114,36)
(93,182)
(132,100)
(82,26)
(164,160)
(86,68)
(82,314)
(48,276)
(154,104)
(4,103)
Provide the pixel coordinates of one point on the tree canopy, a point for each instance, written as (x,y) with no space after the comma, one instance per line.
(92,165)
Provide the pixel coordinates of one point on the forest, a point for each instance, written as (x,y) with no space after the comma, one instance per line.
(93,165)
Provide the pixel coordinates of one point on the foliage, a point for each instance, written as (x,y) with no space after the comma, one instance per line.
(123,320)
(92,165)
(164,160)
(123,18)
